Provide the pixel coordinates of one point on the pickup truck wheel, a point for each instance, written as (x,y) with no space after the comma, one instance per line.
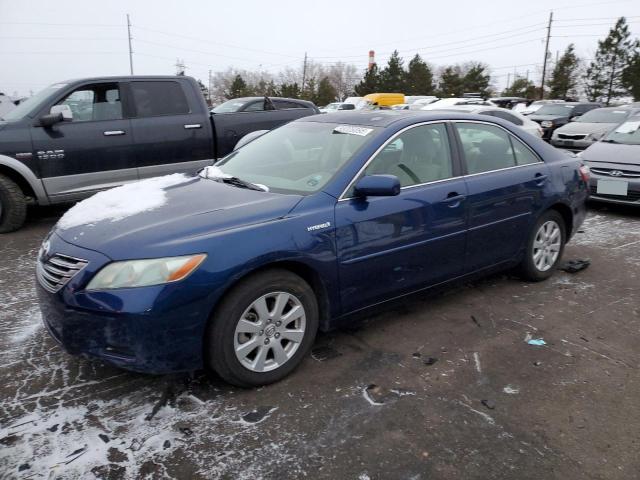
(262,329)
(13,205)
(544,247)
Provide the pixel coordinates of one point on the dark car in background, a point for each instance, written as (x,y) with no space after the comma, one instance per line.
(614,162)
(81,136)
(236,269)
(554,115)
(590,127)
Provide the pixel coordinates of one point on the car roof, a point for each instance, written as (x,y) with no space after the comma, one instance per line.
(385,118)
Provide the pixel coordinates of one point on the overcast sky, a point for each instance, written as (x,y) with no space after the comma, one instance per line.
(42,42)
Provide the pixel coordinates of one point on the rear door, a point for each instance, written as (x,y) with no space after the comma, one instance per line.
(388,246)
(505,181)
(92,151)
(171,131)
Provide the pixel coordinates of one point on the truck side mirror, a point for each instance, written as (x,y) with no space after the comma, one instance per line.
(65,110)
(50,119)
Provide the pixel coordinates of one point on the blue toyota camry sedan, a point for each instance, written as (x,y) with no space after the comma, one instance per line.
(236,268)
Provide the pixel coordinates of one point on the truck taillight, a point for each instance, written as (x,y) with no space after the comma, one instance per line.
(585,173)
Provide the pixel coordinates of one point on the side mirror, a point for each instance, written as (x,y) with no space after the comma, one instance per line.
(65,110)
(377,186)
(50,119)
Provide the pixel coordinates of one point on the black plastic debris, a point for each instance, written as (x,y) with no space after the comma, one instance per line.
(166,444)
(490,404)
(416,355)
(257,415)
(186,431)
(76,452)
(23,467)
(323,353)
(429,360)
(574,266)
(475,320)
(584,339)
(104,437)
(53,428)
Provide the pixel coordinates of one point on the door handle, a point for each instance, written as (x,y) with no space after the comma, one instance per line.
(113,133)
(454,199)
(190,126)
(540,179)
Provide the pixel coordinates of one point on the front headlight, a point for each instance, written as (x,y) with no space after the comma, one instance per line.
(547,123)
(144,273)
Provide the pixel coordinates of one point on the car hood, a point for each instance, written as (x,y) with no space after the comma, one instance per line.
(191,210)
(614,153)
(539,118)
(585,127)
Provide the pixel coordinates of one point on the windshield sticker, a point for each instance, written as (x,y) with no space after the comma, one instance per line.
(352,130)
(629,127)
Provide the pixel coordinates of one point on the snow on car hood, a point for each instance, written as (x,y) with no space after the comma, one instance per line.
(585,127)
(178,212)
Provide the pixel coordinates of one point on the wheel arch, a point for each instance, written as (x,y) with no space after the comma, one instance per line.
(22,175)
(567,215)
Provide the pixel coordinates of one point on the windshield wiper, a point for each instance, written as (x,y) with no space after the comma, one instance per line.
(237,182)
(610,140)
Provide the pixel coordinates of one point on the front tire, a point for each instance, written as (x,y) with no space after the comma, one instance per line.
(545,246)
(262,329)
(13,205)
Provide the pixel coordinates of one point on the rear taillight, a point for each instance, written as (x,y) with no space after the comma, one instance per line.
(585,173)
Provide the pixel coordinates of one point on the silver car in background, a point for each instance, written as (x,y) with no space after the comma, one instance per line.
(614,162)
(590,127)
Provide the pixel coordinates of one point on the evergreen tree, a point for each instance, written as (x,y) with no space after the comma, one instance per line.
(631,76)
(451,82)
(476,79)
(419,78)
(326,92)
(564,77)
(392,77)
(521,87)
(238,88)
(290,90)
(604,74)
(272,89)
(309,91)
(370,82)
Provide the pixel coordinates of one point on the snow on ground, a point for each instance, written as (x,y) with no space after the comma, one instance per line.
(121,202)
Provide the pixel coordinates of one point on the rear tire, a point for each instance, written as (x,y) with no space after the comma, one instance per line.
(545,246)
(262,329)
(13,205)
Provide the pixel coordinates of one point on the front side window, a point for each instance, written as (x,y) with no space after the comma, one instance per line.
(154,99)
(300,157)
(419,155)
(94,102)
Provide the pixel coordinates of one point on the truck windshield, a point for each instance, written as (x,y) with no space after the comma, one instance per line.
(299,158)
(28,105)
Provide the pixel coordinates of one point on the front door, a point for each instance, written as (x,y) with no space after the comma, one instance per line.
(90,152)
(389,246)
(505,181)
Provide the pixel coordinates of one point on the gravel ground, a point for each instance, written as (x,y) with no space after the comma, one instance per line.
(430,388)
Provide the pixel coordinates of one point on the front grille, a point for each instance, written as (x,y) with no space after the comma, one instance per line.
(607,171)
(632,196)
(55,273)
(571,136)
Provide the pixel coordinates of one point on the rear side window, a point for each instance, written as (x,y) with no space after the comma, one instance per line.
(153,99)
(485,147)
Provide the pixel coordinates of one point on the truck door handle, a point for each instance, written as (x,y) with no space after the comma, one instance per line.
(190,126)
(113,133)
(454,199)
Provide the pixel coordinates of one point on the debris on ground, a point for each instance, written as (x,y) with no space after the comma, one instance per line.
(511,390)
(429,360)
(537,363)
(490,404)
(538,342)
(186,431)
(103,437)
(324,352)
(257,415)
(417,354)
(23,467)
(377,395)
(574,266)
(475,320)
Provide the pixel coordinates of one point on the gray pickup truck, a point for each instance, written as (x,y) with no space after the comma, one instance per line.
(78,137)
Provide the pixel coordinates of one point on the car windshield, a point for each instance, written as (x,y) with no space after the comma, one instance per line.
(332,106)
(604,116)
(554,110)
(230,106)
(28,105)
(627,133)
(299,158)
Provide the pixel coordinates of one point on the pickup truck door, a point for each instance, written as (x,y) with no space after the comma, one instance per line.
(171,127)
(91,151)
(255,115)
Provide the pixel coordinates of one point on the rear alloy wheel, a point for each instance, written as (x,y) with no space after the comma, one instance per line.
(544,247)
(262,329)
(13,205)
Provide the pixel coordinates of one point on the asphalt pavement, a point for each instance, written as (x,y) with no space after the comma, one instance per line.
(443,386)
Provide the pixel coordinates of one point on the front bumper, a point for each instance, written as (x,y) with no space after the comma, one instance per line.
(157,329)
(574,145)
(633,191)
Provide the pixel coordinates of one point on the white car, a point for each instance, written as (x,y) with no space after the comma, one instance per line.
(533,107)
(420,99)
(521,121)
(451,102)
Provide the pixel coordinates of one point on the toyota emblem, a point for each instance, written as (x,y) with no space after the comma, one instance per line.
(615,173)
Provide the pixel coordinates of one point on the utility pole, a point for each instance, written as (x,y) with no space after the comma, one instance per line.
(130,51)
(304,71)
(508,80)
(546,52)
